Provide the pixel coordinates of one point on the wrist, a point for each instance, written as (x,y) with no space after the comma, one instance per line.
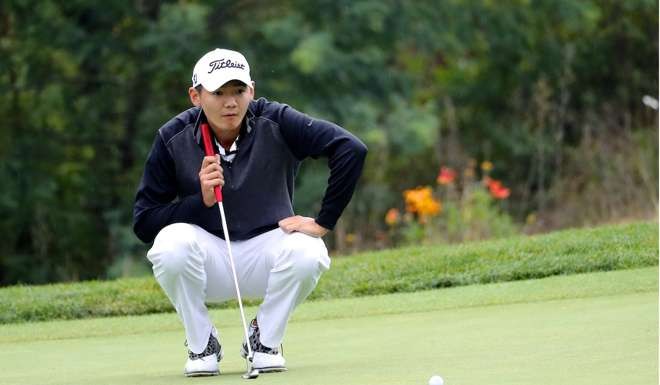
(321,230)
(206,202)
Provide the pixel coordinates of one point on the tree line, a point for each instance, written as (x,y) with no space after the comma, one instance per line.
(548,91)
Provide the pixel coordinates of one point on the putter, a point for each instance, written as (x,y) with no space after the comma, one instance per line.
(250,372)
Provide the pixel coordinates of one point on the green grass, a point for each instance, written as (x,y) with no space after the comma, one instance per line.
(391,271)
(597,328)
(518,258)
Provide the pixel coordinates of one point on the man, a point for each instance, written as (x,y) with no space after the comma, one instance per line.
(279,256)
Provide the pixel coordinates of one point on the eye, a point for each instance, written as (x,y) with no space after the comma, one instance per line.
(217,93)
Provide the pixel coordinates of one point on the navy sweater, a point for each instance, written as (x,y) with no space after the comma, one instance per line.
(259,183)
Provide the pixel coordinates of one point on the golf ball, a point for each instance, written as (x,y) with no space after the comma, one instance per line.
(436,380)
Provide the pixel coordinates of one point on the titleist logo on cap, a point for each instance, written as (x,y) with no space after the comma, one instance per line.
(224,63)
(219,66)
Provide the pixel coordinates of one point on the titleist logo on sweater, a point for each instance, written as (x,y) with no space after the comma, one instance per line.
(224,63)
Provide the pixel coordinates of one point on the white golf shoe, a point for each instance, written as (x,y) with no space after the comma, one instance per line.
(264,359)
(206,362)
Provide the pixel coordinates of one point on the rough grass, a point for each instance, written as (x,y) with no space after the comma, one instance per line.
(560,253)
(398,270)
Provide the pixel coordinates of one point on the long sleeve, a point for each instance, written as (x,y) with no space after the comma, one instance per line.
(346,154)
(155,205)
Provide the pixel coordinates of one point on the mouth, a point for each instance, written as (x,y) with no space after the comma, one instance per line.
(231,115)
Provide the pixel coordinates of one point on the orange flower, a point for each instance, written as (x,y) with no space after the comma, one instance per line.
(421,202)
(392,217)
(486,166)
(446,176)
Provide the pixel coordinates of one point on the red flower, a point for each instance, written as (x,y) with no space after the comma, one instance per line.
(501,193)
(446,176)
(497,191)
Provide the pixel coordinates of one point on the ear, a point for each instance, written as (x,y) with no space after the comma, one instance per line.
(251,89)
(195,97)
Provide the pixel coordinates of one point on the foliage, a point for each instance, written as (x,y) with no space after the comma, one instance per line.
(396,270)
(459,209)
(526,84)
(604,177)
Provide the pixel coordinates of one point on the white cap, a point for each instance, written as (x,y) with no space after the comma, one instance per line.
(219,66)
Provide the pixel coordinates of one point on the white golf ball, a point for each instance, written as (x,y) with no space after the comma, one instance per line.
(436,380)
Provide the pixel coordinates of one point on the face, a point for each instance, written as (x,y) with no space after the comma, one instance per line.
(225,107)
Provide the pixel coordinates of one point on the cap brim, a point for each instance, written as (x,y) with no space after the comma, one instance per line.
(216,82)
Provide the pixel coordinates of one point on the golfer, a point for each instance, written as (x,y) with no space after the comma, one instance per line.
(279,256)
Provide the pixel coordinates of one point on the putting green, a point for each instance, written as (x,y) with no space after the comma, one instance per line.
(599,328)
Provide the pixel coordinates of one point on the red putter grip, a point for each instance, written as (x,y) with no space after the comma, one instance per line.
(208,149)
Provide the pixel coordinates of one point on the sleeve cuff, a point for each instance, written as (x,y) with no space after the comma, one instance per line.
(326,222)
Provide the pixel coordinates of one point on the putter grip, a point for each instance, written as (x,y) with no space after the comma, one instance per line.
(208,149)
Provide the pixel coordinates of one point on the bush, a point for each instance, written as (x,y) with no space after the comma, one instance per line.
(458,209)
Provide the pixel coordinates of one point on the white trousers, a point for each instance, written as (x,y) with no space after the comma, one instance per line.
(192,266)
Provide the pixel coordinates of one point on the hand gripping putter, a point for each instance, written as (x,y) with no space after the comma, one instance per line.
(250,372)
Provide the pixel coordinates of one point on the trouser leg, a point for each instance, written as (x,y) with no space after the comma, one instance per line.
(192,267)
(297,267)
(178,265)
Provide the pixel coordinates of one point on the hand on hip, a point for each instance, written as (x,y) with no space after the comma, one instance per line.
(305,225)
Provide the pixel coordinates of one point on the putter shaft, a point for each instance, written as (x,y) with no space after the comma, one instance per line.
(250,373)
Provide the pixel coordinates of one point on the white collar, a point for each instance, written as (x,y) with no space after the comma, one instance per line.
(233,148)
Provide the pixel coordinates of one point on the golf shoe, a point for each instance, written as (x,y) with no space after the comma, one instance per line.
(206,362)
(264,359)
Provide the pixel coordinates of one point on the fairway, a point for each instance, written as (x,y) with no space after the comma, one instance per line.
(599,328)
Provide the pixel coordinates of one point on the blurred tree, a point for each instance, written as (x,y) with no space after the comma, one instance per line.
(526,84)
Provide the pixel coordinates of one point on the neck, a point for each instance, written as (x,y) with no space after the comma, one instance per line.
(226,142)
(225,137)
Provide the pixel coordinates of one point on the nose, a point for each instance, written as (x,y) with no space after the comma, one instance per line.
(230,102)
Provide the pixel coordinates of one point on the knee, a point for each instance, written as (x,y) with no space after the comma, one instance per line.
(173,249)
(308,257)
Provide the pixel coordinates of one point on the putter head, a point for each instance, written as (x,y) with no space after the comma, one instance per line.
(251,373)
